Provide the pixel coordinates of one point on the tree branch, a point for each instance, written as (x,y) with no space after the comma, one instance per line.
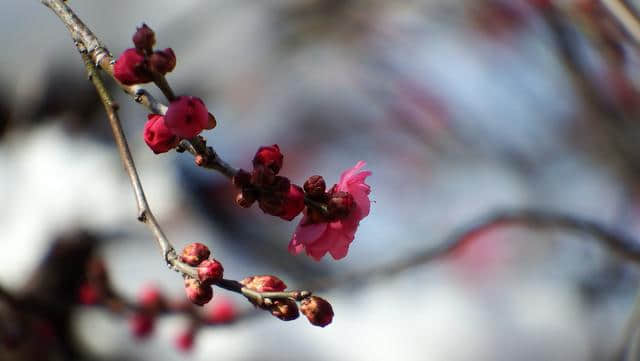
(625,17)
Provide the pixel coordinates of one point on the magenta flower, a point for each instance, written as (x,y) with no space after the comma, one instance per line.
(316,239)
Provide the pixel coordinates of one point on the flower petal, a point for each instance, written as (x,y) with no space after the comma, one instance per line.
(309,233)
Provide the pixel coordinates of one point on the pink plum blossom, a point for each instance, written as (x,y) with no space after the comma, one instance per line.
(316,239)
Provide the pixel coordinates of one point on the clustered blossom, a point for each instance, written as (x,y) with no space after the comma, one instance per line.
(275,194)
(331,217)
(199,291)
(284,309)
(137,65)
(333,228)
(186,116)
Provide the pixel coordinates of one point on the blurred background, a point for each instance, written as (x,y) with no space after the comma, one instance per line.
(461,108)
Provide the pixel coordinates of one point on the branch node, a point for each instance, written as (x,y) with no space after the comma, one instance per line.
(142,216)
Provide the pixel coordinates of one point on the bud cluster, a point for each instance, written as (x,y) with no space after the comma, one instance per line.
(210,271)
(330,206)
(137,65)
(151,302)
(275,194)
(317,310)
(186,116)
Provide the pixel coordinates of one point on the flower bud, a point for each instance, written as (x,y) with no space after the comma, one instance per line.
(163,61)
(286,310)
(195,253)
(131,68)
(144,39)
(241,179)
(340,205)
(280,185)
(187,116)
(88,294)
(184,341)
(262,177)
(293,203)
(264,283)
(317,310)
(222,311)
(272,204)
(269,157)
(157,136)
(197,293)
(246,198)
(210,272)
(141,325)
(150,298)
(315,186)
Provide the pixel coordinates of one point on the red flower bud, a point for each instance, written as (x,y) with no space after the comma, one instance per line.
(163,61)
(315,186)
(210,272)
(144,39)
(157,136)
(195,253)
(340,205)
(88,294)
(187,116)
(241,179)
(131,68)
(150,298)
(197,292)
(286,310)
(262,177)
(141,324)
(184,341)
(264,283)
(293,203)
(222,311)
(269,157)
(246,198)
(317,310)
(272,204)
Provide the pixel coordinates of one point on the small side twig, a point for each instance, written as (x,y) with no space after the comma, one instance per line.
(625,17)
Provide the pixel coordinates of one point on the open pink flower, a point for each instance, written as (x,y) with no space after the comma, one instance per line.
(335,237)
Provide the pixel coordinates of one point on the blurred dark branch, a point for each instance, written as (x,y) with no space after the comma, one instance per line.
(620,244)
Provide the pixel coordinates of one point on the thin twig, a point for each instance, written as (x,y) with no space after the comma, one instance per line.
(626,18)
(144,211)
(620,244)
(100,54)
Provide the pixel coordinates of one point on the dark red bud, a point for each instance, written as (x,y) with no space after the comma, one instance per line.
(197,293)
(340,205)
(195,253)
(184,341)
(293,204)
(144,39)
(132,68)
(242,178)
(318,311)
(210,272)
(163,61)
(141,324)
(315,186)
(246,198)
(269,157)
(286,310)
(264,283)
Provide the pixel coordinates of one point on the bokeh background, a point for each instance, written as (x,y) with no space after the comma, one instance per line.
(460,108)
